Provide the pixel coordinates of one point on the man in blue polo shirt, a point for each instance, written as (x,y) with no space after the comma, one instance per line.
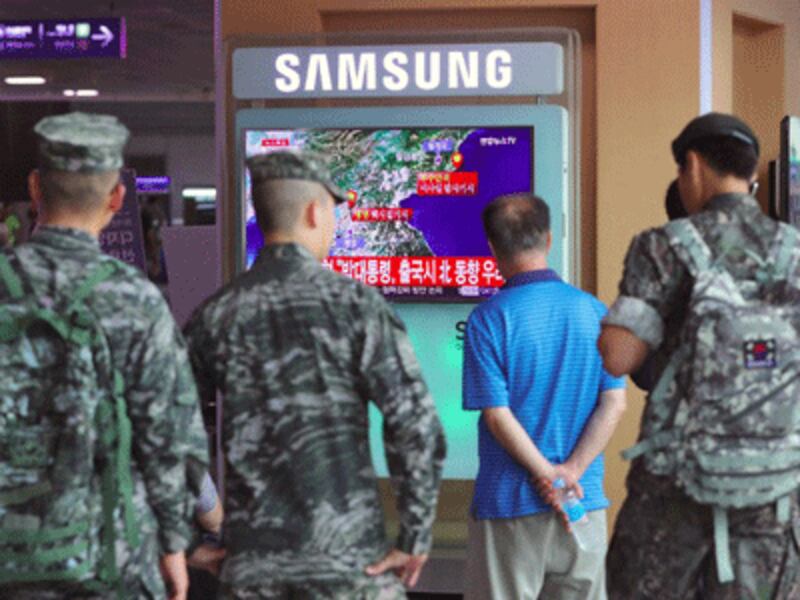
(548,409)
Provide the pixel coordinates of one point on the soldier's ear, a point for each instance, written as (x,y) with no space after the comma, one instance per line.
(35,189)
(312,214)
(694,162)
(117,198)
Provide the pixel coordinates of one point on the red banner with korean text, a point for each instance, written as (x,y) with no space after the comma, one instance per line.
(456,183)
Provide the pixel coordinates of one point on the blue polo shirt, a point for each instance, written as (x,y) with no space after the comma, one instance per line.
(533,348)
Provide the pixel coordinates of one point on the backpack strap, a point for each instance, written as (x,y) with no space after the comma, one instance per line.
(12,224)
(124,461)
(682,233)
(9,327)
(63,323)
(116,481)
(648,444)
(783,509)
(722,547)
(8,275)
(97,276)
(17,288)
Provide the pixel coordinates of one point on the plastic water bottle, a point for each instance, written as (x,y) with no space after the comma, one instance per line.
(588,538)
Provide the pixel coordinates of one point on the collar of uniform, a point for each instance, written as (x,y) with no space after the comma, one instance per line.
(537,276)
(289,251)
(731,202)
(65,237)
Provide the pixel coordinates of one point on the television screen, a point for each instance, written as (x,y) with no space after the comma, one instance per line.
(415,196)
(790,168)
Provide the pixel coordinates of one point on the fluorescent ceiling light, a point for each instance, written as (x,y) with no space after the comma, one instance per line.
(199,191)
(69,93)
(86,93)
(25,80)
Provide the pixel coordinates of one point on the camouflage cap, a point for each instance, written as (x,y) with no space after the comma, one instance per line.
(81,142)
(292,165)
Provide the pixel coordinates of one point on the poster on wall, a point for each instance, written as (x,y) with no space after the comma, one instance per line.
(123,237)
(412,226)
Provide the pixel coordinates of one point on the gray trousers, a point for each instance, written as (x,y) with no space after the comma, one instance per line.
(532,557)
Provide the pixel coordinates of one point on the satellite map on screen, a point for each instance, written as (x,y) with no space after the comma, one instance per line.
(415,196)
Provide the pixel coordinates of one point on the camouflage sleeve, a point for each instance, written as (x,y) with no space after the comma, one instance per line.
(651,284)
(199,346)
(169,442)
(412,433)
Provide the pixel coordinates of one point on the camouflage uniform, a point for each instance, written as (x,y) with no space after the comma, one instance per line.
(297,351)
(169,447)
(663,541)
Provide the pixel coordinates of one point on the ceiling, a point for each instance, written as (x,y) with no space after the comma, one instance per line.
(164,118)
(170,52)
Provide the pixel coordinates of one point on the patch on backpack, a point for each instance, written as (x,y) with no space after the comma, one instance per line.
(760,354)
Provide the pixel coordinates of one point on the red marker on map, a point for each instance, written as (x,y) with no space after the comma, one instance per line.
(352,196)
(457,159)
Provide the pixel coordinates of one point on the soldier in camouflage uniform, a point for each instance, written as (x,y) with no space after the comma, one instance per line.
(298,351)
(663,544)
(77,192)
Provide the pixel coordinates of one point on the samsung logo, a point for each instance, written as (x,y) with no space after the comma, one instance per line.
(395,71)
(514,68)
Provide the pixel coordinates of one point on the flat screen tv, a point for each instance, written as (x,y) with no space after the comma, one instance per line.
(789,169)
(412,226)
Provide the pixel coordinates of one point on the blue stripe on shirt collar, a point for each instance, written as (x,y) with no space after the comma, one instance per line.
(537,276)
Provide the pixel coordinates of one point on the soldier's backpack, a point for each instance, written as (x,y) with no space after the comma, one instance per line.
(65,441)
(729,434)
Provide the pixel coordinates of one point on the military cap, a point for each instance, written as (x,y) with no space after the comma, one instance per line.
(292,165)
(81,142)
(713,125)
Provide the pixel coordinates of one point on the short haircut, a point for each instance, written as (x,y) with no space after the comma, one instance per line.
(76,192)
(726,155)
(516,223)
(278,203)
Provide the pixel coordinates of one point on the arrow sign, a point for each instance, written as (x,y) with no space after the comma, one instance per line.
(105,35)
(69,38)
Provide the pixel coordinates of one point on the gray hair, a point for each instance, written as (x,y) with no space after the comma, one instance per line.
(516,223)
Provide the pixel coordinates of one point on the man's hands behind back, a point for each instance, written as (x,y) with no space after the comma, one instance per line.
(544,486)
